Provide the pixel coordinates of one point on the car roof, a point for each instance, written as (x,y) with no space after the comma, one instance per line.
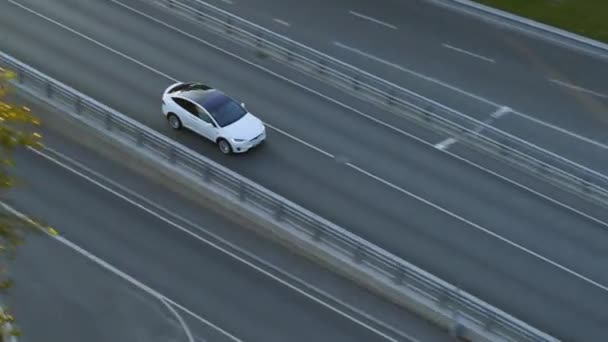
(182,87)
(208,99)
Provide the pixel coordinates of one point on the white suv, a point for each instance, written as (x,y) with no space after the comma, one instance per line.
(213,115)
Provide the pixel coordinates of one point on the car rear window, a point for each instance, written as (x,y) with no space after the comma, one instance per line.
(188,86)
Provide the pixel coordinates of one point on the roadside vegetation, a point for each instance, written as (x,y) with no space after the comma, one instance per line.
(584,17)
(17,131)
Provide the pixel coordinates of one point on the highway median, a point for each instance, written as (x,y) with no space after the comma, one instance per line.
(195,177)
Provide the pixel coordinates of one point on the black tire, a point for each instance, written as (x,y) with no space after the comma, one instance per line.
(224,146)
(174,121)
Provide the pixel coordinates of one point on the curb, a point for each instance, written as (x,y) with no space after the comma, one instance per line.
(528,26)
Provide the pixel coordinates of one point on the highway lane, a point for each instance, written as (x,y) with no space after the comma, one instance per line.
(61,296)
(211,279)
(416,231)
(459,61)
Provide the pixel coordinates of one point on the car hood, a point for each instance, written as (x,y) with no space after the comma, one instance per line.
(247,128)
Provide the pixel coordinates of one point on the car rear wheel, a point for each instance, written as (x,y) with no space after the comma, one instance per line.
(224,146)
(174,121)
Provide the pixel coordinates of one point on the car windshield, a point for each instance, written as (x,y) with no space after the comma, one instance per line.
(197,86)
(227,112)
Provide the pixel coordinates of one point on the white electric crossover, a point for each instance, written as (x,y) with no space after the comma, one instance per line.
(213,115)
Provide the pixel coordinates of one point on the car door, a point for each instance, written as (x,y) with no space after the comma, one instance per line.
(187,112)
(207,126)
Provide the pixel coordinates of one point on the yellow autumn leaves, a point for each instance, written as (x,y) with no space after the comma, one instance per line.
(17,130)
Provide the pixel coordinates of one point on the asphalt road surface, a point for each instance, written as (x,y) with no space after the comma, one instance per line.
(531,256)
(560,95)
(244,285)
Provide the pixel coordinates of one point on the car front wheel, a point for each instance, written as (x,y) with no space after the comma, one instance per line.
(224,146)
(174,121)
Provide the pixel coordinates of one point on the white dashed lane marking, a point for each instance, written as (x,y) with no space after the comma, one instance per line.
(373,20)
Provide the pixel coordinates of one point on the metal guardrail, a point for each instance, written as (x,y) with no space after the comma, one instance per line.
(498,144)
(295,219)
(543,31)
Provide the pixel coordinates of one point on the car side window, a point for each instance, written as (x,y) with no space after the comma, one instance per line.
(204,116)
(187,105)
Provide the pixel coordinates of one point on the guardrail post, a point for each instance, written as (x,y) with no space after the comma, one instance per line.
(399,274)
(444,298)
(289,55)
(228,26)
(359,254)
(322,67)
(586,186)
(206,173)
(49,89)
(78,105)
(390,98)
(356,83)
(456,328)
(428,114)
(490,321)
(108,121)
(259,39)
(242,191)
(317,234)
(503,149)
(541,168)
(172,155)
(140,139)
(278,213)
(20,75)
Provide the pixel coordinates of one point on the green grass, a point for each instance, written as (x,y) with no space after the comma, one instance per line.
(585,17)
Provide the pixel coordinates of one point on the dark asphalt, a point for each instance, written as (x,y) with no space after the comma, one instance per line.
(55,282)
(414,56)
(61,296)
(499,273)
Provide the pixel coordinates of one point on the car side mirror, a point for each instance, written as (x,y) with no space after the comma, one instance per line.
(243,105)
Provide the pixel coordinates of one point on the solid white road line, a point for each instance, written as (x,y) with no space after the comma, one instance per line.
(448,46)
(143,287)
(368,18)
(382,123)
(282,22)
(89,39)
(293,137)
(471,95)
(162,213)
(575,87)
(516,25)
(179,319)
(259,67)
(482,229)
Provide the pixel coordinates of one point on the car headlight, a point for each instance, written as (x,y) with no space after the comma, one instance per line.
(238,140)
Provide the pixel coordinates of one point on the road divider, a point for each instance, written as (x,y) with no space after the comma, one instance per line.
(277,217)
(547,32)
(481,136)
